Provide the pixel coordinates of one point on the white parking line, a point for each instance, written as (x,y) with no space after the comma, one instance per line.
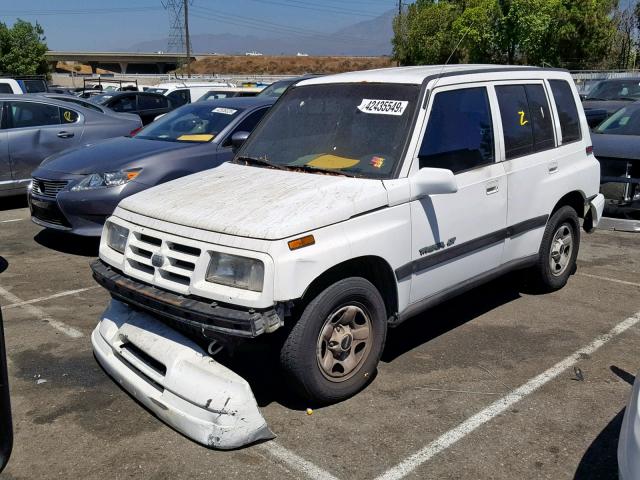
(609,279)
(296,462)
(499,406)
(42,315)
(12,220)
(50,297)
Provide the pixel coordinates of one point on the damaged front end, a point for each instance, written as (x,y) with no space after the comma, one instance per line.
(177,380)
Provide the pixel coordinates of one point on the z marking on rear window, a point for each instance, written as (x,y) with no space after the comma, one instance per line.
(383,107)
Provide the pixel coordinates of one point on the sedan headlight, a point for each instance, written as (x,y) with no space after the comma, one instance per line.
(117,237)
(107,179)
(236,271)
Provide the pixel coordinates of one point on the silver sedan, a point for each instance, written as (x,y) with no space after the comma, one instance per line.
(33,127)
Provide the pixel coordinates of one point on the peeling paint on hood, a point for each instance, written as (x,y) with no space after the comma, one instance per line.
(257,202)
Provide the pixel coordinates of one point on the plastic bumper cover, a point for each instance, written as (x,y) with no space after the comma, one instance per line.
(176,380)
(629,441)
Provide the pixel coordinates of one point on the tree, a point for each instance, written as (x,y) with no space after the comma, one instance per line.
(22,49)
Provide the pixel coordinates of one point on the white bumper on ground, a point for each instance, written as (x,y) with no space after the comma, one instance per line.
(175,379)
(629,441)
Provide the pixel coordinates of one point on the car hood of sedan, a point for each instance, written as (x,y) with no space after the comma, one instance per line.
(257,202)
(616,146)
(108,155)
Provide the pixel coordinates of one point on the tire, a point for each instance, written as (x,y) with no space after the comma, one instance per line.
(326,356)
(556,263)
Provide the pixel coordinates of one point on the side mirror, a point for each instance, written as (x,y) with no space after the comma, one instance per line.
(238,138)
(432,181)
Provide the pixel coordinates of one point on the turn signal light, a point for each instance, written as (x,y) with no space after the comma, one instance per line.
(301,242)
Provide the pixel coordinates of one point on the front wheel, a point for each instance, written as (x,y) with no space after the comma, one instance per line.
(334,348)
(558,250)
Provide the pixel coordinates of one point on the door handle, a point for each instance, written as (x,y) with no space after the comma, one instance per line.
(492,187)
(553,167)
(64,134)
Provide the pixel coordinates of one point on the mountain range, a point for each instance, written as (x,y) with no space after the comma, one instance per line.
(366,38)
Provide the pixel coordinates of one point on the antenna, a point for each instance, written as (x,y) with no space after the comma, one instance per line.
(452,53)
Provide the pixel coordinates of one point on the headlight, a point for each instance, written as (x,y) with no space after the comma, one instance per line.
(236,271)
(108,179)
(117,237)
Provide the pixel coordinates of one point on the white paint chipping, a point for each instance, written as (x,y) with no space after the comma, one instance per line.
(499,406)
(296,462)
(609,279)
(41,315)
(12,220)
(50,297)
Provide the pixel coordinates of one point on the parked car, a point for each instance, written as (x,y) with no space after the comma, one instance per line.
(181,93)
(359,201)
(616,145)
(90,105)
(230,92)
(144,104)
(77,190)
(23,84)
(34,127)
(608,96)
(629,440)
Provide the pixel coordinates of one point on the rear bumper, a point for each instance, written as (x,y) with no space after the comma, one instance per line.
(176,380)
(199,314)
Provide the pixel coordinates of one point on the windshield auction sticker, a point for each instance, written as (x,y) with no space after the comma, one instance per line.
(383,107)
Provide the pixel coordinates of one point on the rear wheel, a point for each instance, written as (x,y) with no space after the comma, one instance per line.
(334,348)
(558,250)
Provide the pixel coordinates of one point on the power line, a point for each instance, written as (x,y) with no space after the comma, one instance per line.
(307,6)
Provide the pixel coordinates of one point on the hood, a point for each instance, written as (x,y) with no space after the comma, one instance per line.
(611,106)
(258,202)
(616,146)
(107,155)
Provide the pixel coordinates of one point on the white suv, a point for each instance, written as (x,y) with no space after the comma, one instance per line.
(360,200)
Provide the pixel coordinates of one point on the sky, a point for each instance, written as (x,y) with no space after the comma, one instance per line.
(111,25)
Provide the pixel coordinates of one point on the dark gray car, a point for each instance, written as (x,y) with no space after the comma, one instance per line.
(77,190)
(33,127)
(608,96)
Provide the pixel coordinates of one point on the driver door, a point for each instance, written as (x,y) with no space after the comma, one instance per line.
(459,236)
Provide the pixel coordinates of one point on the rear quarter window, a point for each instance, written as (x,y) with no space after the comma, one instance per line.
(567,110)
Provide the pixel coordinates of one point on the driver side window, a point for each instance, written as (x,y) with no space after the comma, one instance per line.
(459,134)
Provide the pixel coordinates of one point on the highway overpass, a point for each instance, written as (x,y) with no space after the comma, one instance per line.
(119,62)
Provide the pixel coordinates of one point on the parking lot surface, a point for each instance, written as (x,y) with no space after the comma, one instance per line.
(499,383)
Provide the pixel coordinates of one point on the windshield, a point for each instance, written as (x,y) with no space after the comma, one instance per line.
(356,129)
(276,89)
(625,121)
(615,90)
(191,123)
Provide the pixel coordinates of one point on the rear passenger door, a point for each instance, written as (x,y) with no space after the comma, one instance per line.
(37,130)
(535,158)
(460,236)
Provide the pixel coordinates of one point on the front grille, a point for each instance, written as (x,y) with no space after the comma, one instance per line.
(52,215)
(160,261)
(48,188)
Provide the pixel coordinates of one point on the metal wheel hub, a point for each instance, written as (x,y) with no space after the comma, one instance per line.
(344,343)
(561,250)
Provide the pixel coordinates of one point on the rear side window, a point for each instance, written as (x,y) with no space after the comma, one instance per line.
(124,104)
(526,121)
(459,134)
(5,88)
(31,114)
(150,102)
(68,116)
(567,110)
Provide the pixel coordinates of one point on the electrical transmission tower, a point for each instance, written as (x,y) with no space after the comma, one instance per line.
(179,41)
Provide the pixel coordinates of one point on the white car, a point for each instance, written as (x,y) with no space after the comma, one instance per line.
(181,93)
(360,200)
(629,441)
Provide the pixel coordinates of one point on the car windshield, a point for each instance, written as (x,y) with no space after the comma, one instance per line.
(200,122)
(625,121)
(615,90)
(276,89)
(101,98)
(355,129)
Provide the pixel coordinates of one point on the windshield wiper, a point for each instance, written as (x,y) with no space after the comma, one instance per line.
(310,168)
(259,161)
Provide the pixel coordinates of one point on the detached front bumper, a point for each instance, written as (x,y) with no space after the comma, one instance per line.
(171,376)
(199,314)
